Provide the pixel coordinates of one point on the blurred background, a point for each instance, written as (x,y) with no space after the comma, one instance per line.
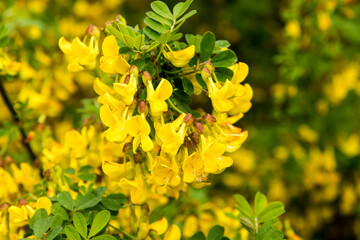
(304,127)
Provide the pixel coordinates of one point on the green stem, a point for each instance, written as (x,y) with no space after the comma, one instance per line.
(181,70)
(16,119)
(123,232)
(173,106)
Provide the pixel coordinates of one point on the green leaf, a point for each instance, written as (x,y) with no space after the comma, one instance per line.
(104,237)
(159,18)
(162,9)
(139,41)
(41,226)
(153,46)
(39,214)
(244,205)
(248,225)
(116,33)
(57,221)
(200,81)
(224,59)
(216,233)
(180,8)
(273,210)
(269,233)
(65,199)
(186,16)
(175,37)
(188,86)
(53,233)
(224,74)
(87,201)
(198,236)
(4,38)
(151,33)
(129,41)
(260,202)
(207,46)
(71,233)
(140,63)
(156,26)
(70,171)
(100,221)
(57,210)
(88,176)
(164,37)
(80,224)
(114,201)
(222,44)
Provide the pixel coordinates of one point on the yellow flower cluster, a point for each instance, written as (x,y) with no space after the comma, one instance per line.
(161,148)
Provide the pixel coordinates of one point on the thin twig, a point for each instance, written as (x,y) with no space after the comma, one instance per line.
(16,119)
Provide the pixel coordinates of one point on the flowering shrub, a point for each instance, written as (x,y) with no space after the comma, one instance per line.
(134,173)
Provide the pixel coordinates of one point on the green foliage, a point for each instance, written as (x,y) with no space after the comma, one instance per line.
(260,223)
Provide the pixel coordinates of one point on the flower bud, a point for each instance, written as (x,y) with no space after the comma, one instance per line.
(138,158)
(189,119)
(134,70)
(153,234)
(205,73)
(142,107)
(92,30)
(47,174)
(195,138)
(127,79)
(209,119)
(127,147)
(4,206)
(22,202)
(146,76)
(120,19)
(199,128)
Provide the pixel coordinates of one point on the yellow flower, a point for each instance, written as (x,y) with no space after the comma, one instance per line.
(193,167)
(166,171)
(211,154)
(18,216)
(180,58)
(220,95)
(44,202)
(293,29)
(113,114)
(241,70)
(229,135)
(159,226)
(173,233)
(26,175)
(171,136)
(8,185)
(79,54)
(139,128)
(112,62)
(7,66)
(157,98)
(137,187)
(116,170)
(324,21)
(101,88)
(190,226)
(127,87)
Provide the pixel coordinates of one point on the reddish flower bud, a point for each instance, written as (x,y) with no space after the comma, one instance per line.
(199,128)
